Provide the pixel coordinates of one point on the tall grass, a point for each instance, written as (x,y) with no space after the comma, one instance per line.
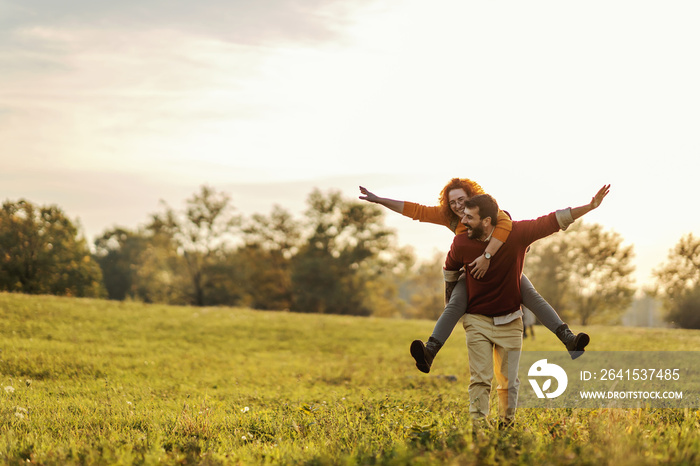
(98,382)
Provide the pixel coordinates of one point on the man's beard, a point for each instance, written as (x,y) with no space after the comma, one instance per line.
(475,232)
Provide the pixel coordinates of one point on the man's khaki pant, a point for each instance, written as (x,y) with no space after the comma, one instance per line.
(493,347)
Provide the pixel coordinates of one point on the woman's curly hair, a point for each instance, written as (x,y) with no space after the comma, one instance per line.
(472,188)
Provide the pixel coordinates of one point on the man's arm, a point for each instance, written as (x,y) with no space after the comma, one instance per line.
(396,206)
(567,216)
(578,212)
(533,230)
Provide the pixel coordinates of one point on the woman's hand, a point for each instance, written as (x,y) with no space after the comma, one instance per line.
(368,196)
(391,204)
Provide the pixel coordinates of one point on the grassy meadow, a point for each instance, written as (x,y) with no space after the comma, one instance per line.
(96,382)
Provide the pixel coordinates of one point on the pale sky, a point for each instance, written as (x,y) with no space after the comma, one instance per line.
(107,107)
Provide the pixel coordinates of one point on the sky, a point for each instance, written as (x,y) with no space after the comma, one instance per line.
(107,108)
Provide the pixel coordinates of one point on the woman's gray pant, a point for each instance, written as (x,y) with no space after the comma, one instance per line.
(457,307)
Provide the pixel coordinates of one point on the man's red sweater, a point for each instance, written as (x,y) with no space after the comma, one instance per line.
(497,293)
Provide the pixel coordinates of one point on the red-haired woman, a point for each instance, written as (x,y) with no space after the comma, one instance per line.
(449,214)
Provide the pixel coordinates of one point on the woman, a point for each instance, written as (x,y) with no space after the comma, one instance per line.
(449,214)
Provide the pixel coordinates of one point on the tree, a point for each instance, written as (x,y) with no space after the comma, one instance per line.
(227,281)
(160,273)
(201,233)
(426,289)
(686,310)
(328,273)
(384,276)
(142,265)
(44,253)
(547,268)
(584,273)
(679,283)
(118,252)
(270,243)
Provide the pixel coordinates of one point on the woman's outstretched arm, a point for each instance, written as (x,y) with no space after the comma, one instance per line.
(396,206)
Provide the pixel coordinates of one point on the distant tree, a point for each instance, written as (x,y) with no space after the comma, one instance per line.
(425,288)
(685,311)
(160,271)
(270,243)
(328,275)
(227,281)
(43,253)
(585,273)
(143,265)
(547,268)
(202,233)
(678,283)
(119,253)
(385,276)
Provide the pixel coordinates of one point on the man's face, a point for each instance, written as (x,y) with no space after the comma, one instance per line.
(475,225)
(457,198)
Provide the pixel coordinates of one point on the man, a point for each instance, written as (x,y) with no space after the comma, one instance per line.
(493,322)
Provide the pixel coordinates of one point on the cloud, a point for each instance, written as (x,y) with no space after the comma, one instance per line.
(44,37)
(240,21)
(81,74)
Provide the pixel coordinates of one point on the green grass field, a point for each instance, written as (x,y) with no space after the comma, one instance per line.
(98,382)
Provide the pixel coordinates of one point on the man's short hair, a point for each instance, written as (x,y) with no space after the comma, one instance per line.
(487,205)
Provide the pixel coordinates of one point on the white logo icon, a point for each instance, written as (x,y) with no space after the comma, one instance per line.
(542,369)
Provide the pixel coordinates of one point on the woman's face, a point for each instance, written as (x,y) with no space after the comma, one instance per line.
(457,198)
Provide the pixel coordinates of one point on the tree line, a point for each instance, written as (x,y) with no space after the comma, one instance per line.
(339,258)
